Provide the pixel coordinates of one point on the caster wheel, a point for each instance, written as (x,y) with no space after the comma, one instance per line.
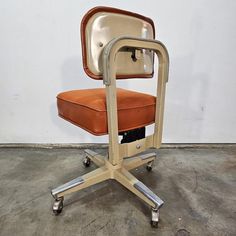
(154,224)
(149,166)
(155,218)
(57,206)
(86,162)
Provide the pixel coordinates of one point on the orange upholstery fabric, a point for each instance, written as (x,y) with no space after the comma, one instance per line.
(87,109)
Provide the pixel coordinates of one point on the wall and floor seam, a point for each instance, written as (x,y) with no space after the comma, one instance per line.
(105,145)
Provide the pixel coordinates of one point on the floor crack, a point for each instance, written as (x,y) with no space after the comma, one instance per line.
(196,181)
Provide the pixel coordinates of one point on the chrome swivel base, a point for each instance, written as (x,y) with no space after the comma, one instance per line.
(108,171)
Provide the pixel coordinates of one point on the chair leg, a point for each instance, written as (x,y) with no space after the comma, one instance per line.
(142,191)
(81,182)
(137,161)
(138,188)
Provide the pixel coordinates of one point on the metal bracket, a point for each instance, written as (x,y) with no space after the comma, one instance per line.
(133,135)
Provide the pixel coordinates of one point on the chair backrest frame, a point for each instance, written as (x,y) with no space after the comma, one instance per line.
(119,151)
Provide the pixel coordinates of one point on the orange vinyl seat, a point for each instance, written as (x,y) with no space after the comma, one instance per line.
(87,109)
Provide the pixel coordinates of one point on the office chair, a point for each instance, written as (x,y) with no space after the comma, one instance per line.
(117,44)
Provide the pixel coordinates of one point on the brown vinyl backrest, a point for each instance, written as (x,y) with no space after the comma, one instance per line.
(102,24)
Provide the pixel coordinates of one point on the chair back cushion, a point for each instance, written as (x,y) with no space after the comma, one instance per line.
(102,24)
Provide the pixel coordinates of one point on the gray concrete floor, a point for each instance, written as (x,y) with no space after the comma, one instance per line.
(197,185)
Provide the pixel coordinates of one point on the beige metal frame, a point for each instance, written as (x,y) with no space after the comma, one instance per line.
(123,157)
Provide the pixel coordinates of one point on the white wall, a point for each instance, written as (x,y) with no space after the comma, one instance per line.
(40,55)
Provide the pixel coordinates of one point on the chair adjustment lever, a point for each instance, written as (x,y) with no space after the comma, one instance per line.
(136,54)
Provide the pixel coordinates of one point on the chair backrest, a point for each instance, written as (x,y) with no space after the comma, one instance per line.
(102,24)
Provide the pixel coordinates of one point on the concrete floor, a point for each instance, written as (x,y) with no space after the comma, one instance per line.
(197,185)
